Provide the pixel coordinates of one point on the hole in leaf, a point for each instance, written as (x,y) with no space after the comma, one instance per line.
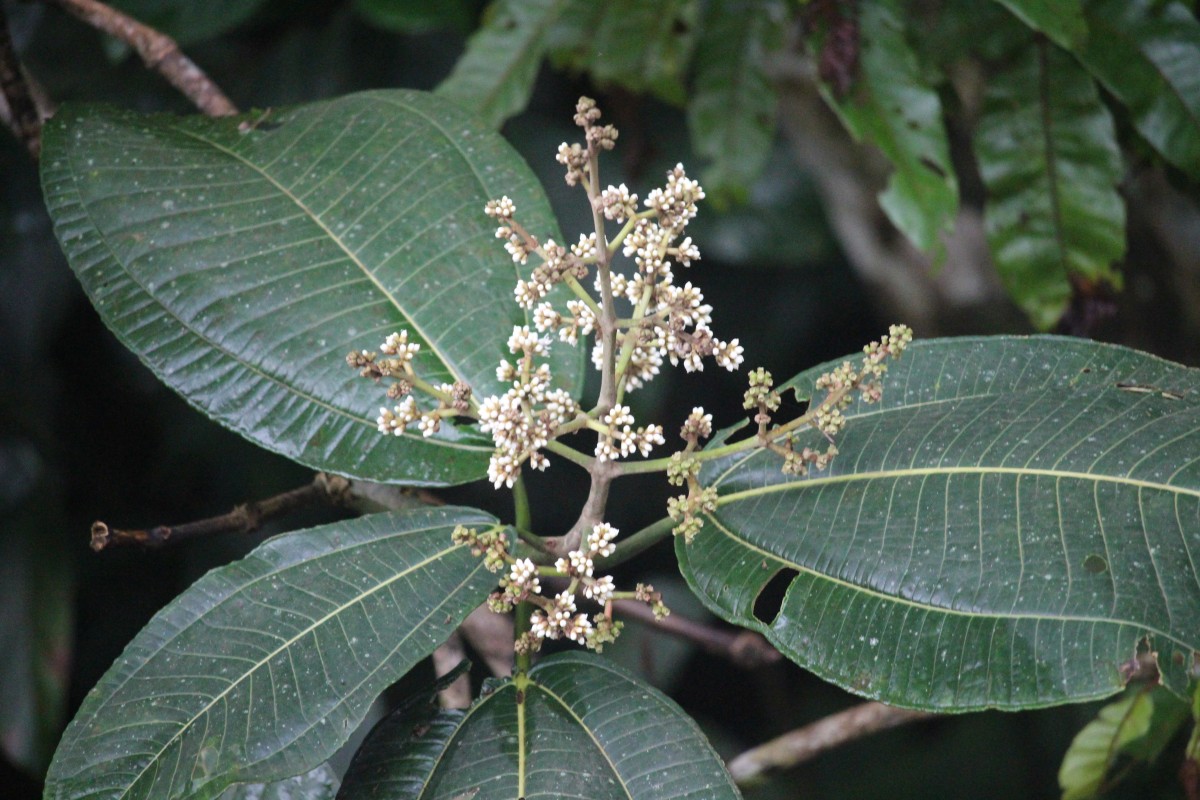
(1095,564)
(770,597)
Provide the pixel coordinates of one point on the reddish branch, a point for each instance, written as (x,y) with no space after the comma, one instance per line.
(745,648)
(803,744)
(242,519)
(158,51)
(22,115)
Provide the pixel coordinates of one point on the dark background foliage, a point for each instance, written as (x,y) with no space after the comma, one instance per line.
(86,432)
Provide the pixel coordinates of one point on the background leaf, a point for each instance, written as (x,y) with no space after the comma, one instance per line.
(1144,718)
(242,262)
(1148,55)
(893,107)
(262,668)
(593,730)
(495,75)
(639,45)
(188,21)
(1001,531)
(731,115)
(1048,154)
(417,16)
(1061,20)
(318,784)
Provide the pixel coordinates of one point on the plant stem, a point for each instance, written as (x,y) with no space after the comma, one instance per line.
(159,52)
(570,453)
(803,744)
(637,543)
(521,506)
(23,117)
(520,627)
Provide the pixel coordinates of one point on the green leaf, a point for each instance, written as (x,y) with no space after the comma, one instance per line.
(1002,530)
(1148,55)
(590,730)
(1144,716)
(1061,20)
(36,587)
(731,115)
(263,668)
(1048,154)
(242,258)
(318,784)
(187,21)
(640,45)
(893,107)
(495,75)
(417,16)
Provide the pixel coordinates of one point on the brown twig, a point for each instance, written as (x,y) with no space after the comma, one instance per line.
(803,744)
(491,637)
(446,657)
(158,51)
(243,519)
(22,115)
(746,649)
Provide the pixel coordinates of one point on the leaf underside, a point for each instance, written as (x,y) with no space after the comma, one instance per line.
(592,732)
(1048,155)
(243,258)
(263,668)
(893,107)
(1148,55)
(495,76)
(1005,529)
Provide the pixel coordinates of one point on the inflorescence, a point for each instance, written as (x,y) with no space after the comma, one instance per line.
(667,323)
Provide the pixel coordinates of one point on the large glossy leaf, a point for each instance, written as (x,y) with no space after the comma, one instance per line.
(1004,530)
(1061,20)
(242,258)
(590,731)
(263,668)
(731,116)
(1048,154)
(893,107)
(1147,54)
(495,75)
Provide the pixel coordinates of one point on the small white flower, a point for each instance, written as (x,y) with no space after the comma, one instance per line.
(600,540)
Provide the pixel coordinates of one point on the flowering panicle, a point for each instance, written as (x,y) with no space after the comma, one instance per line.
(661,321)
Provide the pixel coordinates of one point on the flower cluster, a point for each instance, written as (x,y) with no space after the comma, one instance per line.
(523,419)
(618,437)
(453,399)
(559,617)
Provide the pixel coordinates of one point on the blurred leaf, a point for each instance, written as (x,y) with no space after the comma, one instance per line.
(892,107)
(645,650)
(591,730)
(639,45)
(242,258)
(36,590)
(1148,55)
(417,16)
(1061,20)
(261,669)
(495,75)
(1001,531)
(190,21)
(1048,154)
(1144,717)
(318,784)
(731,113)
